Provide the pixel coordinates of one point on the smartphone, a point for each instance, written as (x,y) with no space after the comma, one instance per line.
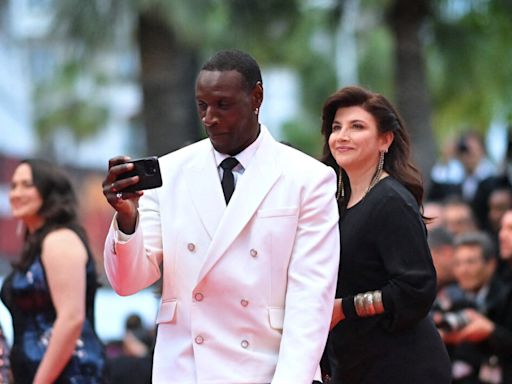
(148,170)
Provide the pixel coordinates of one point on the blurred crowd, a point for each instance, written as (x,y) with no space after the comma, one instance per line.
(130,359)
(469,206)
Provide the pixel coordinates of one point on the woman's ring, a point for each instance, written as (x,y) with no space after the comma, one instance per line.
(119,195)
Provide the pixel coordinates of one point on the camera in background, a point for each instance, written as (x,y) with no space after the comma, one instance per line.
(452,321)
(448,311)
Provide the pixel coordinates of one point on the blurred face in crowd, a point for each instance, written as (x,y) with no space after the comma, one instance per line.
(433,211)
(470,152)
(24,197)
(355,141)
(471,270)
(500,201)
(443,259)
(505,237)
(227,109)
(458,218)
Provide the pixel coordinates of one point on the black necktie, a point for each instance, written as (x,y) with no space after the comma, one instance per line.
(228,180)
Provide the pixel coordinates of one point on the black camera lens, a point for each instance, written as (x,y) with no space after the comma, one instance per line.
(453,321)
(149,167)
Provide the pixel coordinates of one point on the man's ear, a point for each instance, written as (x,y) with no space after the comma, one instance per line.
(257,95)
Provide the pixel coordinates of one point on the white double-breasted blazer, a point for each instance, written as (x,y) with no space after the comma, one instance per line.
(248,289)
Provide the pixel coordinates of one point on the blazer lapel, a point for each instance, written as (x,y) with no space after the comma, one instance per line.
(250,191)
(204,187)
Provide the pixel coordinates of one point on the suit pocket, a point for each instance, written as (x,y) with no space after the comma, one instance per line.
(166,312)
(276,212)
(276,317)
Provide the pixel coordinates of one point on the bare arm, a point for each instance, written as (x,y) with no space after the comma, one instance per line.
(337,313)
(64,258)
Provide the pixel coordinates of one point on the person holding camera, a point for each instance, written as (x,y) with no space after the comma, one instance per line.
(449,294)
(479,328)
(244,232)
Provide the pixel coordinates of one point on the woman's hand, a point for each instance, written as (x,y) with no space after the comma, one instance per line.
(337,313)
(478,329)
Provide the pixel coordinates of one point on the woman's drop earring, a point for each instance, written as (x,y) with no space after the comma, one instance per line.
(20,227)
(341,187)
(381,162)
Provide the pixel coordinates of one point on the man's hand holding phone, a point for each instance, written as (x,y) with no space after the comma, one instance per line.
(124,183)
(148,172)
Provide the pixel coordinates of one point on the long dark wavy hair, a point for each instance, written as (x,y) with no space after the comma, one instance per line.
(397,161)
(58,210)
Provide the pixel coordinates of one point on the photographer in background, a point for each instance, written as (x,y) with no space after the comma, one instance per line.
(480,337)
(450,298)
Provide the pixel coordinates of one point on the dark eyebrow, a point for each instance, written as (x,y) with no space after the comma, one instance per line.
(350,122)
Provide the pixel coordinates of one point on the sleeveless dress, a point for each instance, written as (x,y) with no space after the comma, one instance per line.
(26,295)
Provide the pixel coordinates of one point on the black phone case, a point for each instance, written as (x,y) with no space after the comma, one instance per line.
(148,170)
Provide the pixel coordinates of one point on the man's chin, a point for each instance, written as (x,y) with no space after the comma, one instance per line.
(221,148)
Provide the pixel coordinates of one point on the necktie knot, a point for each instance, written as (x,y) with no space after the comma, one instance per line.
(228,179)
(229,163)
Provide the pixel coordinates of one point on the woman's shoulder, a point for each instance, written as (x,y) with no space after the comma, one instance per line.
(395,207)
(61,234)
(390,194)
(392,189)
(63,240)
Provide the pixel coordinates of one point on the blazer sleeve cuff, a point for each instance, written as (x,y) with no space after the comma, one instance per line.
(349,309)
(120,236)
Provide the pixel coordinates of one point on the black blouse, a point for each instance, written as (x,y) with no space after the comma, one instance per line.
(384,247)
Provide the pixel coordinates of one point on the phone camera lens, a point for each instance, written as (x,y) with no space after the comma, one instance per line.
(150,168)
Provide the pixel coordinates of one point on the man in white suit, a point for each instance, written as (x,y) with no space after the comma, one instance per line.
(248,286)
